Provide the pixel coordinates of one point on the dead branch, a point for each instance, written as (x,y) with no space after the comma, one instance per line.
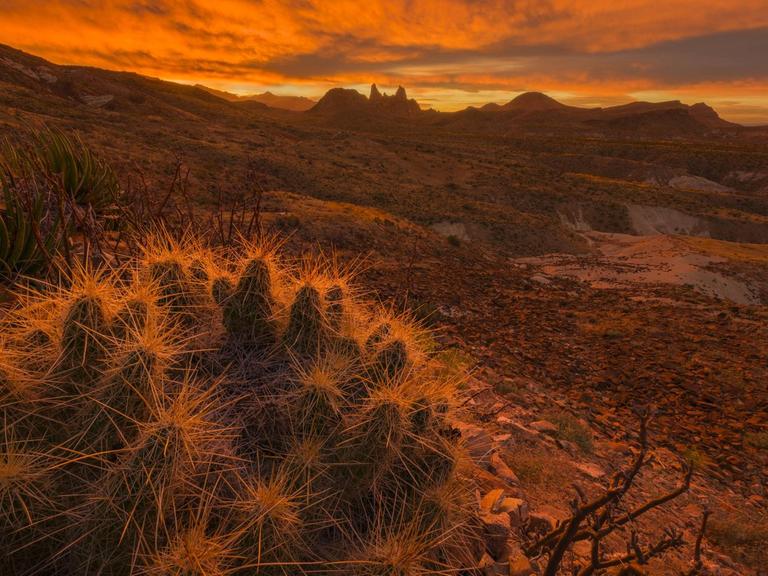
(595,519)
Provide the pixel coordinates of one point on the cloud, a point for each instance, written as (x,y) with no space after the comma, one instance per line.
(581,47)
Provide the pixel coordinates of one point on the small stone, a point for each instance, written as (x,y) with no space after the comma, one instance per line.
(520,566)
(543,426)
(495,533)
(502,470)
(582,548)
(541,522)
(485,561)
(589,469)
(477,442)
(491,502)
(568,446)
(517,510)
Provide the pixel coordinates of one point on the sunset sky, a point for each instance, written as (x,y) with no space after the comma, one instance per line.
(448,53)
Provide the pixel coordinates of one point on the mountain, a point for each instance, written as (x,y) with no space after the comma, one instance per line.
(293,103)
(51,86)
(341,101)
(538,112)
(528,102)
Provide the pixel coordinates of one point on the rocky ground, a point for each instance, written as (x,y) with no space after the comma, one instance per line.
(562,364)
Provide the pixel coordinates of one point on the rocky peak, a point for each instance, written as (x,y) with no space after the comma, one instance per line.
(375,94)
(400,94)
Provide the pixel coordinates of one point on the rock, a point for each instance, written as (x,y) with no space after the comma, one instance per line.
(541,522)
(477,441)
(522,431)
(489,567)
(568,446)
(582,548)
(485,564)
(589,469)
(544,426)
(517,510)
(495,533)
(96,101)
(520,566)
(491,502)
(502,470)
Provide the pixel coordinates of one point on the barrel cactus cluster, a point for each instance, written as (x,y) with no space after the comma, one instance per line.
(208,413)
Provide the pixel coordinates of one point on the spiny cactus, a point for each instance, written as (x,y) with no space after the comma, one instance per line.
(249,309)
(84,337)
(334,311)
(170,421)
(307,329)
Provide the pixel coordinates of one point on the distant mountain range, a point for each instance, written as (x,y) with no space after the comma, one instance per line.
(348,108)
(294,103)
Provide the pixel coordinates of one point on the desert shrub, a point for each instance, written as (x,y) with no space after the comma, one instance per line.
(758,440)
(203,413)
(571,429)
(742,535)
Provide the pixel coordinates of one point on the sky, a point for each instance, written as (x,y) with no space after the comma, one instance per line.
(448,53)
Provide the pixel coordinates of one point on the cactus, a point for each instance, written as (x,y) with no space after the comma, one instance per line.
(307,329)
(221,289)
(248,310)
(334,310)
(85,331)
(176,293)
(30,233)
(391,360)
(317,455)
(84,176)
(40,184)
(379,334)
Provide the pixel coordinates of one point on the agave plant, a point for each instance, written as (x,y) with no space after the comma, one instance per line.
(30,231)
(85,177)
(47,188)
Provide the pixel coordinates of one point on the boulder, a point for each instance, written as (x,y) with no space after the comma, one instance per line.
(491,502)
(516,509)
(541,522)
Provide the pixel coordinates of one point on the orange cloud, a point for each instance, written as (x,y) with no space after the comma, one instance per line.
(446,46)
